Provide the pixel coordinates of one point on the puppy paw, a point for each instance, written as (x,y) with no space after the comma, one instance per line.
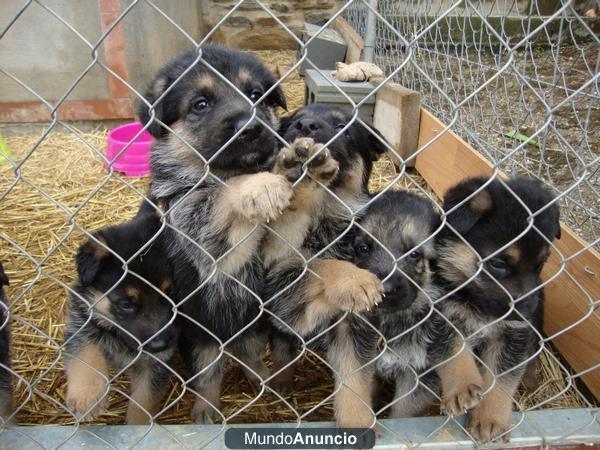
(202,412)
(283,387)
(458,402)
(361,418)
(88,400)
(283,382)
(361,294)
(323,168)
(264,196)
(486,426)
(349,287)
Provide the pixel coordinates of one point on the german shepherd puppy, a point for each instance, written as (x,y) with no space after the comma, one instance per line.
(326,198)
(6,403)
(212,176)
(396,243)
(496,307)
(121,319)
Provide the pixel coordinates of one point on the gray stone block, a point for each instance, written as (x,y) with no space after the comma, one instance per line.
(327,48)
(322,89)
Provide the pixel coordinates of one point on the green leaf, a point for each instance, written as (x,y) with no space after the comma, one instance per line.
(522,138)
(4,151)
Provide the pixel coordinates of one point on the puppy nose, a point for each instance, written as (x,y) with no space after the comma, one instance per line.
(389,286)
(250,129)
(162,341)
(394,284)
(307,125)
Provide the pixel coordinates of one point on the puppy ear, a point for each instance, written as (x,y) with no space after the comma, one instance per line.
(276,97)
(472,210)
(89,260)
(369,142)
(284,124)
(3,278)
(556,221)
(377,144)
(162,111)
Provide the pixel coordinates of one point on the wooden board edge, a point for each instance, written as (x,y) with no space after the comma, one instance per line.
(355,43)
(445,159)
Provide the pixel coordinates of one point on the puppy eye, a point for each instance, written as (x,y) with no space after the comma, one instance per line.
(498,266)
(200,105)
(339,127)
(255,95)
(415,254)
(362,249)
(127,307)
(497,263)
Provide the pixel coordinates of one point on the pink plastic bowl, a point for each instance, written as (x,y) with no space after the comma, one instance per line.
(135,161)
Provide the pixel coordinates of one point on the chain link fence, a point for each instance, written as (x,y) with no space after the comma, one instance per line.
(517,81)
(491,68)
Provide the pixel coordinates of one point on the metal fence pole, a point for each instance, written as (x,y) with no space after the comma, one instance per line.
(371,32)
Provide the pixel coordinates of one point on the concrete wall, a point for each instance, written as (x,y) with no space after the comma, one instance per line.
(151,40)
(48,57)
(45,54)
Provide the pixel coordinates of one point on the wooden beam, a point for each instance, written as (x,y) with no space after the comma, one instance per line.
(397,115)
(356,44)
(447,160)
(116,108)
(282,69)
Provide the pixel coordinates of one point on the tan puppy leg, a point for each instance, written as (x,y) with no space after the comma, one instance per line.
(145,397)
(461,382)
(86,382)
(353,403)
(491,417)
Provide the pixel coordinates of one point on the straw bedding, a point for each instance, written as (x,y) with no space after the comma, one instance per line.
(62,192)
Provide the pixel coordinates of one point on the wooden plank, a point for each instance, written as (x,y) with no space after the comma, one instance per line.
(568,300)
(356,44)
(447,160)
(282,69)
(397,115)
(116,108)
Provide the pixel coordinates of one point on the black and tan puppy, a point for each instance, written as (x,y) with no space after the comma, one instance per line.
(212,175)
(121,319)
(6,403)
(334,186)
(496,306)
(420,349)
(326,199)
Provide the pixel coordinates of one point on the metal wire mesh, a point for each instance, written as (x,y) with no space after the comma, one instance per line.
(487,69)
(491,68)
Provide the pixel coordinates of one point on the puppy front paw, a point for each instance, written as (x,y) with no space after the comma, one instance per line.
(356,419)
(487,425)
(87,400)
(459,401)
(323,168)
(348,287)
(264,196)
(203,412)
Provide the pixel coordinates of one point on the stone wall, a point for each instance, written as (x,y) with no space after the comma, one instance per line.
(249,27)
